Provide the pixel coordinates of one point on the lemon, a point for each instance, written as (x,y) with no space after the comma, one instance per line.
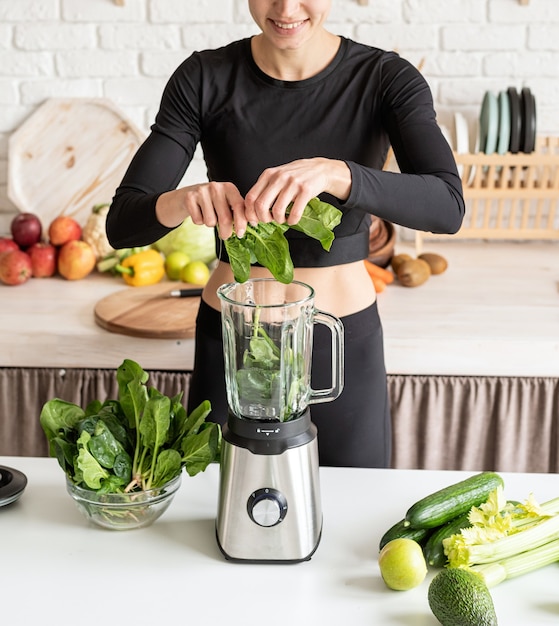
(402,564)
(196,273)
(174,263)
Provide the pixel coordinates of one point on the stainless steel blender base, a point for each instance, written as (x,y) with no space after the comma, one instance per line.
(269,504)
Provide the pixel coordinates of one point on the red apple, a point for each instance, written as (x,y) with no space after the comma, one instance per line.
(7,244)
(43,259)
(76,259)
(26,229)
(15,267)
(63,229)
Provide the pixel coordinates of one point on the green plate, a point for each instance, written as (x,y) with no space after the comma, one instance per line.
(489,123)
(503,141)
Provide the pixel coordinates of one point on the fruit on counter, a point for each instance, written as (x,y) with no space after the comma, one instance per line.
(402,564)
(402,530)
(413,273)
(26,229)
(15,267)
(447,503)
(174,263)
(139,441)
(398,259)
(437,263)
(7,243)
(76,260)
(143,268)
(195,273)
(43,257)
(460,597)
(63,229)
(94,232)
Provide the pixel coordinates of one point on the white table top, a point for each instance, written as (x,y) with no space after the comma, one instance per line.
(494,312)
(57,569)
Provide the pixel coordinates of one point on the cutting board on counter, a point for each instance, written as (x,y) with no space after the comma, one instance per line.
(68,156)
(149,312)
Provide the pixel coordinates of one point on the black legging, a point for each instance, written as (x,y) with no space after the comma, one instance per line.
(354,430)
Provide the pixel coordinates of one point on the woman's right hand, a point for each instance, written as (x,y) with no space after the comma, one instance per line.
(211,204)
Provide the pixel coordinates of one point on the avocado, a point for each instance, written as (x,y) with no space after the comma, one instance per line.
(460,597)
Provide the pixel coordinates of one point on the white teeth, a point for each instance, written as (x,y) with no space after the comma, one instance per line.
(288,26)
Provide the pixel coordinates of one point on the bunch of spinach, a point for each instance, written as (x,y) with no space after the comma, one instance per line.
(267,245)
(140,441)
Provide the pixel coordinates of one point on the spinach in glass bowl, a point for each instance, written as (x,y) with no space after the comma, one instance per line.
(137,443)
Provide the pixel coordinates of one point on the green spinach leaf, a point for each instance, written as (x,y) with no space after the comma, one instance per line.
(267,245)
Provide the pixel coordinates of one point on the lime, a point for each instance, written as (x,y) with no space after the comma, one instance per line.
(196,273)
(402,564)
(174,263)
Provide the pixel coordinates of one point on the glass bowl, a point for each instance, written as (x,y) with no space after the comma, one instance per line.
(123,511)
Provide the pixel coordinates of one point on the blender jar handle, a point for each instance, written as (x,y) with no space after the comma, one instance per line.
(337,329)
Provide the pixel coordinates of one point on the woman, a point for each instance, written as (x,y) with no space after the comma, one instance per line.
(289,114)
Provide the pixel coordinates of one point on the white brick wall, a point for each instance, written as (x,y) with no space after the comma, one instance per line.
(95,48)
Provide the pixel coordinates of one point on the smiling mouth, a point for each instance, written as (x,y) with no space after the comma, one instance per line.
(288,26)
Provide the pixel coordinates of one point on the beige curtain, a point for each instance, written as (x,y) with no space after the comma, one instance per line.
(440,422)
(24,391)
(475,423)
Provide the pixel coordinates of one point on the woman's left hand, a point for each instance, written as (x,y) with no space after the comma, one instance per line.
(294,183)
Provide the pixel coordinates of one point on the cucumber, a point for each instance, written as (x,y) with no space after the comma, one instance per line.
(446,504)
(433,549)
(401,530)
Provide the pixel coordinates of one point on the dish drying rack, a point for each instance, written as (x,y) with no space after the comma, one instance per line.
(509,196)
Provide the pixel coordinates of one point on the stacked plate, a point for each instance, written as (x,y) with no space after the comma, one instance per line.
(507,122)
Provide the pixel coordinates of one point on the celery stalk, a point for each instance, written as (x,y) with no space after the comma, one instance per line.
(496,572)
(532,537)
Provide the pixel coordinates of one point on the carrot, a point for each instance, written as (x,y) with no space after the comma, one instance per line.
(379,284)
(376,271)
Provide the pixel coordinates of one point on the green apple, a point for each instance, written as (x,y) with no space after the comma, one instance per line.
(174,263)
(195,273)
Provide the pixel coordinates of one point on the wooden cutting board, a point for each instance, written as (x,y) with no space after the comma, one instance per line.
(149,312)
(68,156)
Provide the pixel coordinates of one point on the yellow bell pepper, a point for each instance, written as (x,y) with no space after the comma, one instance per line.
(143,268)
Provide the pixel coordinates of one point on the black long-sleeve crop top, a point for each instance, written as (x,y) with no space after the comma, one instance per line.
(363,102)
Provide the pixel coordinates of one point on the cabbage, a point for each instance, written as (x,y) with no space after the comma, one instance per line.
(196,241)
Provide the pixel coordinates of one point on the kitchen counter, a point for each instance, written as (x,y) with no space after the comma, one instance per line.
(58,569)
(494,312)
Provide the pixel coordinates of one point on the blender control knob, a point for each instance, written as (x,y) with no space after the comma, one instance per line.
(267,506)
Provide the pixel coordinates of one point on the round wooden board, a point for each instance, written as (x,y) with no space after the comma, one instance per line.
(69,155)
(149,312)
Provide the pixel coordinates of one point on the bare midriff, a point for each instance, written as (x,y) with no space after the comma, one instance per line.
(340,290)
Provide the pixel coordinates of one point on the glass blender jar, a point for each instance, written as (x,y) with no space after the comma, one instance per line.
(267,336)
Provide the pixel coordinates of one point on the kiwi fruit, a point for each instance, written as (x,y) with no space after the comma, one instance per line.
(436,262)
(413,272)
(398,259)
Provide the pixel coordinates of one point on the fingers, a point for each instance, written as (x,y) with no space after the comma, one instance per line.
(282,193)
(216,204)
